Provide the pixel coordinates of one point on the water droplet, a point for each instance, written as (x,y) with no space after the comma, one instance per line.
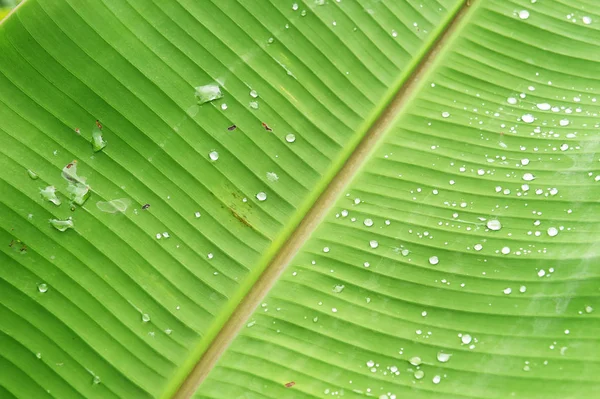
(419,374)
(334,310)
(61,225)
(394,33)
(589,309)
(564,122)
(145,317)
(38,355)
(436,379)
(522,289)
(253,104)
(49,194)
(43,287)
(77,189)
(434,260)
(114,206)
(295,6)
(552,231)
(527,118)
(261,196)
(523,14)
(505,250)
(524,161)
(197,214)
(96,380)
(443,357)
(374,244)
(368,222)
(543,106)
(478,247)
(507,291)
(272,176)
(290,138)
(511,100)
(338,288)
(326,249)
(223,106)
(251,324)
(213,155)
(253,94)
(528,177)
(32,174)
(370,363)
(494,225)
(541,273)
(415,360)
(98,142)
(586,20)
(445,114)
(466,339)
(208,93)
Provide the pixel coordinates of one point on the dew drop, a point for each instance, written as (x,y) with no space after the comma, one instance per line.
(552,231)
(478,247)
(290,138)
(261,196)
(466,339)
(43,287)
(507,291)
(326,249)
(338,288)
(374,244)
(522,289)
(62,225)
(586,20)
(32,174)
(253,94)
(443,357)
(145,317)
(528,177)
(524,161)
(436,379)
(208,93)
(527,118)
(543,106)
(523,14)
(368,222)
(415,360)
(434,260)
(272,176)
(213,155)
(511,100)
(494,225)
(505,250)
(419,374)
(445,114)
(96,380)
(564,122)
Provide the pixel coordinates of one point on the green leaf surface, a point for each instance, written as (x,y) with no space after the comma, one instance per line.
(410,265)
(185,211)
(120,296)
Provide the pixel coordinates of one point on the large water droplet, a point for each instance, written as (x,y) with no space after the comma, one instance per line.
(62,225)
(49,194)
(494,225)
(415,360)
(466,339)
(114,206)
(208,93)
(586,20)
(98,142)
(552,231)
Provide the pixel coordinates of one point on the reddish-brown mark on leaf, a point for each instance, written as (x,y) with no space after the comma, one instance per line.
(98,124)
(290,384)
(267,128)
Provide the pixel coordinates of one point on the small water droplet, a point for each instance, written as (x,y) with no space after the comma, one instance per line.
(419,374)
(207,93)
(213,155)
(445,114)
(368,222)
(290,138)
(589,309)
(253,104)
(443,357)
(507,291)
(338,288)
(38,355)
(478,247)
(32,174)
(251,324)
(523,14)
(295,6)
(434,260)
(43,287)
(326,249)
(61,225)
(145,317)
(543,106)
(494,225)
(541,273)
(436,379)
(374,244)
(586,20)
(466,339)
(564,122)
(505,250)
(522,289)
(261,196)
(272,176)
(253,93)
(96,380)
(528,177)
(511,100)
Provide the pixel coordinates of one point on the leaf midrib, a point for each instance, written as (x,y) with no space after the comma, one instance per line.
(308,216)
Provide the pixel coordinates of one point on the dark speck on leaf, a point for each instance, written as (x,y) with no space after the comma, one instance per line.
(145,206)
(267,128)
(232,127)
(290,384)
